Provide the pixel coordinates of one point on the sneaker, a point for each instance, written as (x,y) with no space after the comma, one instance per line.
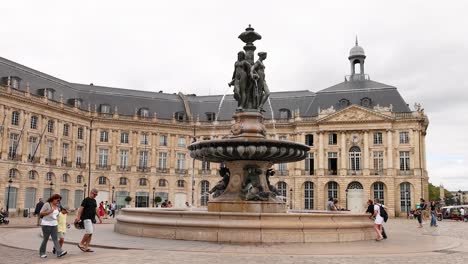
(43,256)
(62,254)
(53,251)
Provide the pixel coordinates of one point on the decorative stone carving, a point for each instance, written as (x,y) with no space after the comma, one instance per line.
(252,189)
(327,111)
(220,187)
(379,108)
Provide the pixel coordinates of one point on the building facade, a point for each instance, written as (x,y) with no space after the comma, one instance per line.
(62,137)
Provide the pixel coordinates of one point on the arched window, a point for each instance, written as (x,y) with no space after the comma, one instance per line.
(13,173)
(142,182)
(282,188)
(49,176)
(366,102)
(180,183)
(355,159)
(355,185)
(205,196)
(79,179)
(123,181)
(379,191)
(102,180)
(332,189)
(343,103)
(405,197)
(162,183)
(15,115)
(308,195)
(32,174)
(284,113)
(30,197)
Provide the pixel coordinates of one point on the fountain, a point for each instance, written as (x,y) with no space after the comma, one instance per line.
(245,207)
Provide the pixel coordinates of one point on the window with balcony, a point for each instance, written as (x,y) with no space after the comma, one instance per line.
(50,126)
(33,143)
(206,167)
(103,158)
(144,139)
(65,153)
(34,120)
(143,160)
(123,159)
(182,142)
(404,161)
(309,140)
(332,163)
(162,163)
(79,155)
(13,145)
(66,130)
(124,137)
(80,133)
(104,136)
(378,138)
(404,137)
(282,169)
(309,164)
(378,162)
(181,161)
(15,116)
(162,140)
(332,139)
(50,150)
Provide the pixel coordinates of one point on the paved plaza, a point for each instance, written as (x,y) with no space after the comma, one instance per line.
(407,243)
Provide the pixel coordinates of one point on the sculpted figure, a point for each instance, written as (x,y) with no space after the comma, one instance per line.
(221,186)
(273,190)
(258,74)
(241,80)
(251,188)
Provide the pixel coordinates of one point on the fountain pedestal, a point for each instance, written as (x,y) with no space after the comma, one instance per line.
(233,198)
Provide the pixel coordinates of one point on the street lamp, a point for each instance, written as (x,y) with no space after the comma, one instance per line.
(10,181)
(113,188)
(459,197)
(193,169)
(154,189)
(291,198)
(84,190)
(346,199)
(51,184)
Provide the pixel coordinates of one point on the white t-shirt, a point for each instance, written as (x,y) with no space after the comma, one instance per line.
(378,219)
(462,211)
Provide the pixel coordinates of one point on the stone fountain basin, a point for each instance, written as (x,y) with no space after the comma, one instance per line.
(229,227)
(275,151)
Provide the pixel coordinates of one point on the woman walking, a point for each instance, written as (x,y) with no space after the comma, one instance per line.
(49,213)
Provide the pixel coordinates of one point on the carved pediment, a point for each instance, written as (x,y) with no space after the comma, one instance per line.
(355,114)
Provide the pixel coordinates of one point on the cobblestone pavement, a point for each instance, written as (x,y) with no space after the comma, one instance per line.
(407,244)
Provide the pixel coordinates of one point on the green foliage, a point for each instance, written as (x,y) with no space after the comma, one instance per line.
(157,199)
(128,198)
(434,193)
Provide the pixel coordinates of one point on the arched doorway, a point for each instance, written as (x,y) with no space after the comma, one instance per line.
(355,197)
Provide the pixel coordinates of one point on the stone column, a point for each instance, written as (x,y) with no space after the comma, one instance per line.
(343,168)
(25,137)
(114,141)
(366,154)
(389,153)
(134,158)
(416,159)
(321,156)
(153,160)
(5,121)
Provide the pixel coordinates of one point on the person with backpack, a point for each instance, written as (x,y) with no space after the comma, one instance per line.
(379,216)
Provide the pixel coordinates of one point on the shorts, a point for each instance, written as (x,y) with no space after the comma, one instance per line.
(61,235)
(88,226)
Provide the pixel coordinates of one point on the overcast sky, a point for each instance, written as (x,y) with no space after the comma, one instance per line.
(421,47)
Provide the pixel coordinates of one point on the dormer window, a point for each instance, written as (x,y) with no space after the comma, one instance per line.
(76,102)
(210,116)
(14,81)
(366,102)
(343,103)
(284,113)
(47,92)
(104,109)
(144,112)
(179,116)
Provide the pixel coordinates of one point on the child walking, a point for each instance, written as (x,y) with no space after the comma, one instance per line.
(62,226)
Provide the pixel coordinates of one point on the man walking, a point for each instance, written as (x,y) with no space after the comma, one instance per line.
(87,213)
(462,214)
(37,211)
(113,206)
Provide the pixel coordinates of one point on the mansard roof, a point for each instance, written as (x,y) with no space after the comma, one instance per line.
(165,105)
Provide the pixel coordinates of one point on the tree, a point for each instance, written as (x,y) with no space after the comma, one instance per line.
(434,193)
(128,199)
(157,199)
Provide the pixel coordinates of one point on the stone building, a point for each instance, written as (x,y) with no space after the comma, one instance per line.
(63,137)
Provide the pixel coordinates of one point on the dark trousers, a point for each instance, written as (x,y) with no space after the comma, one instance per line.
(384,235)
(49,231)
(113,213)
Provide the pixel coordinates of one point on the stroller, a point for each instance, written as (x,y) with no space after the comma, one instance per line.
(4,217)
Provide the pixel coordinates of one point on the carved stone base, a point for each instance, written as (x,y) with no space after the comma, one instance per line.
(247,206)
(248,124)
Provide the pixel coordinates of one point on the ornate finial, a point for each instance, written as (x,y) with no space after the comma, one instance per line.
(357,41)
(250,26)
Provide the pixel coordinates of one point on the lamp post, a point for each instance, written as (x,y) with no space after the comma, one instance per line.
(346,199)
(113,189)
(84,190)
(291,199)
(193,169)
(154,189)
(51,185)
(459,197)
(10,181)
(406,204)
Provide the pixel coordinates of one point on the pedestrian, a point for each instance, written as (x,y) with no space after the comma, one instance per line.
(49,223)
(370,208)
(37,211)
(113,207)
(418,215)
(423,206)
(169,204)
(337,205)
(101,209)
(87,213)
(331,204)
(106,209)
(378,222)
(462,214)
(433,214)
(62,226)
(187,205)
